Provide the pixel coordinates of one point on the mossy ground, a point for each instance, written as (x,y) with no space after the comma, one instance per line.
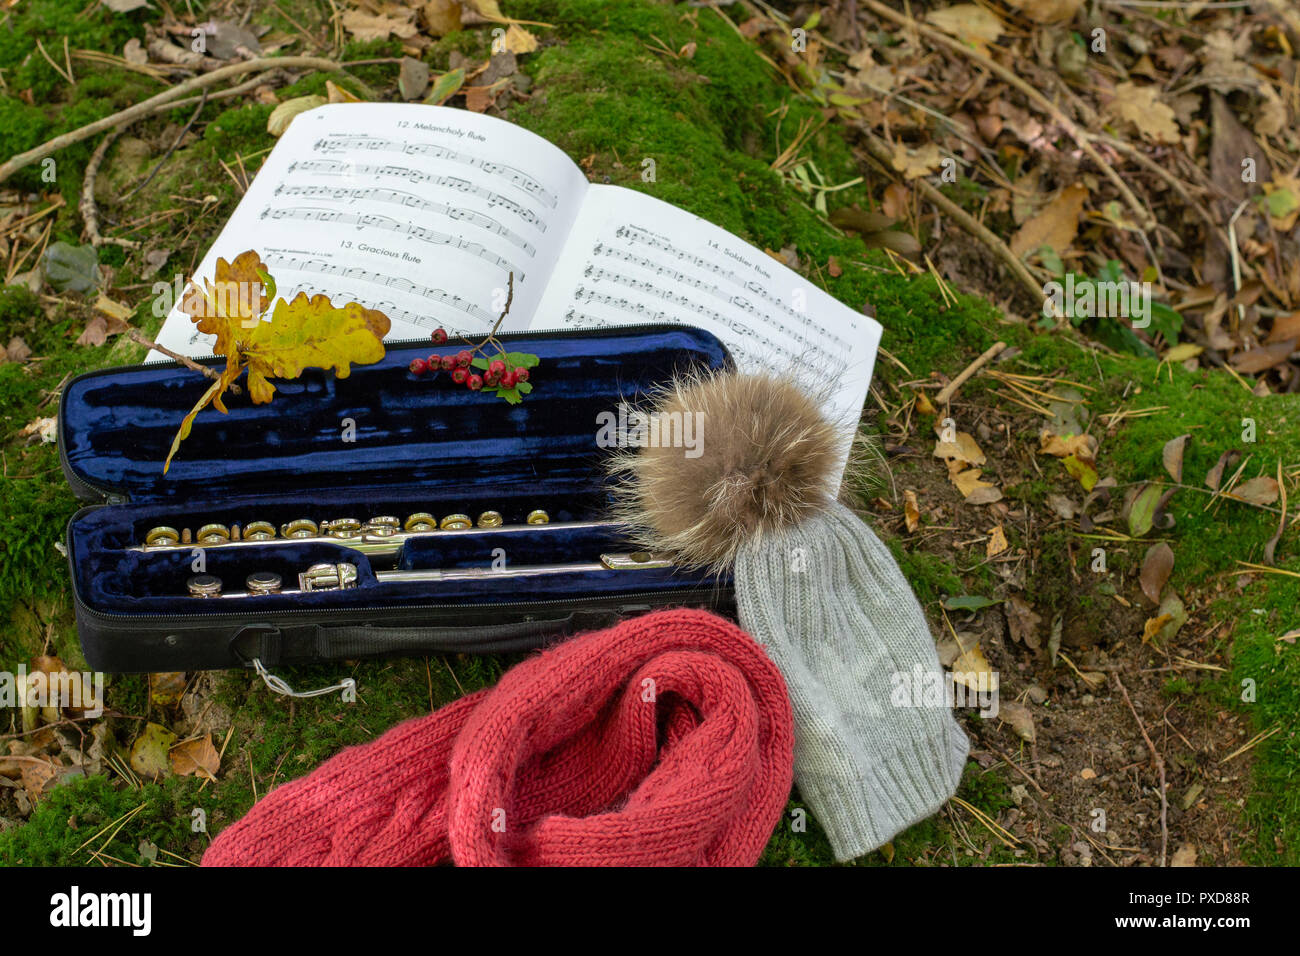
(713,124)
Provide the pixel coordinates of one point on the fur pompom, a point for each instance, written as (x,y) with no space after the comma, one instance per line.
(760,455)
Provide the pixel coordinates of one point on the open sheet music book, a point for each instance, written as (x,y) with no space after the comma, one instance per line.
(422,212)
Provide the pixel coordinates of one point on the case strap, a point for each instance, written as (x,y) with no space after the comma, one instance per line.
(369,640)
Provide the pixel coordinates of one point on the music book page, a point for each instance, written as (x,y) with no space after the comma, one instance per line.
(423,213)
(631,258)
(420,212)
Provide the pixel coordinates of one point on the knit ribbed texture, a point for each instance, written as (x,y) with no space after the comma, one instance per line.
(666,740)
(829,603)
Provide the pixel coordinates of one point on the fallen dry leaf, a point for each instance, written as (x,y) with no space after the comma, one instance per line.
(1141,106)
(969,23)
(915,163)
(1021,720)
(197,757)
(1054,227)
(968,482)
(963,448)
(1047,11)
(1185,855)
(1156,568)
(1256,491)
(367,26)
(1153,626)
(1080,446)
(1022,621)
(1172,456)
(1214,476)
(911,512)
(997,542)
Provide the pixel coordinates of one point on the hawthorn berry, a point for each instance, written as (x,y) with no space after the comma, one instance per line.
(474,382)
(491,380)
(463,358)
(521,374)
(435,361)
(508,380)
(448,362)
(459,375)
(439,336)
(497,367)
(418,366)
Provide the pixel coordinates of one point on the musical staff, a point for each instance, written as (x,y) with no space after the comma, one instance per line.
(410,201)
(322,267)
(376,221)
(635,234)
(331,167)
(354,142)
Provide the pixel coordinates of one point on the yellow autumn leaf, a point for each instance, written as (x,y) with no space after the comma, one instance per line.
(997,542)
(968,482)
(1153,626)
(211,396)
(1082,470)
(312,333)
(1183,351)
(911,511)
(308,332)
(972,670)
(519,40)
(229,307)
(963,447)
(1081,446)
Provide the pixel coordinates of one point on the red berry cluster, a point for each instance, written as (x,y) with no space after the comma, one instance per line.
(459,367)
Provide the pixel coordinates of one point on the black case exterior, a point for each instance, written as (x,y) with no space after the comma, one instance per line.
(223,638)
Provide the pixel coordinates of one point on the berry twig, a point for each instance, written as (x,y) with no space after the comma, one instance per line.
(506,373)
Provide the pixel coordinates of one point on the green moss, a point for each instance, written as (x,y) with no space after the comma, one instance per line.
(73,815)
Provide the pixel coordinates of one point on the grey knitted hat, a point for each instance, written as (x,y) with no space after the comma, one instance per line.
(828,602)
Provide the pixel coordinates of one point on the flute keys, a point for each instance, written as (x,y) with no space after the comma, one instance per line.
(300,528)
(263,582)
(328,577)
(421,521)
(161,536)
(490,519)
(342,527)
(383,525)
(213,534)
(259,531)
(204,586)
(455,523)
(538,517)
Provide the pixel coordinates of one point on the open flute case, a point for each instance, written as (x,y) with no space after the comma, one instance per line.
(380,514)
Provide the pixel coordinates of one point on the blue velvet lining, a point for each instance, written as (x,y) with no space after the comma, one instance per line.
(420,444)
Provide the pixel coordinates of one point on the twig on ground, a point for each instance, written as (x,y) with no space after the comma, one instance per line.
(1020,770)
(131,113)
(89,210)
(964,219)
(203,99)
(1160,767)
(946,394)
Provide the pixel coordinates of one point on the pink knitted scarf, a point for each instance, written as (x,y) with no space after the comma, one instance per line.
(664,740)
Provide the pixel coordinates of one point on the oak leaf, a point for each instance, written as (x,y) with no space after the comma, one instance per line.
(307,332)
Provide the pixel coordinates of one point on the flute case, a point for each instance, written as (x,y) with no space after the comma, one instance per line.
(380,442)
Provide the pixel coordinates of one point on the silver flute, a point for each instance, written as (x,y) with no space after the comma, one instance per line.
(342,576)
(380,536)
